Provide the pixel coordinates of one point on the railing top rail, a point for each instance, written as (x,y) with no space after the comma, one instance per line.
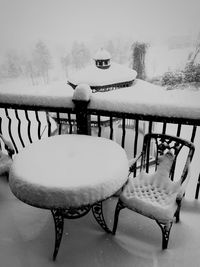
(142,100)
(145,99)
(40,98)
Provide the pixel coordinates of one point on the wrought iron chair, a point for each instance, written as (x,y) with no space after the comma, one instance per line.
(156,192)
(5,158)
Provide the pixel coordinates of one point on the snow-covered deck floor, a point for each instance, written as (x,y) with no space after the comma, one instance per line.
(27,238)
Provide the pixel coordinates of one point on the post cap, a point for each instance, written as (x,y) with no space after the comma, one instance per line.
(82,92)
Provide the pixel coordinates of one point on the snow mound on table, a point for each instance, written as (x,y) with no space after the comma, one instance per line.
(68,171)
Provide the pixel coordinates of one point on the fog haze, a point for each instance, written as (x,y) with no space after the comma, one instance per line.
(59,23)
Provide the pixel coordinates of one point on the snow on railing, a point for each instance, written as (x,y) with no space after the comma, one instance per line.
(142,98)
(30,114)
(147,99)
(57,96)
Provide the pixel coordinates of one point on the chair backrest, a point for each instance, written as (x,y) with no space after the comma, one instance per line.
(155,145)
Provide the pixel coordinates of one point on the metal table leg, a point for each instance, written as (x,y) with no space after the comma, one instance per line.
(97,210)
(59,223)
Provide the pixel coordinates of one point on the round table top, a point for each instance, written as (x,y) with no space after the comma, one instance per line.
(68,171)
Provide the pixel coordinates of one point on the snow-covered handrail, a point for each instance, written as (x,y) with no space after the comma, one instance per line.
(142,98)
(67,110)
(55,95)
(149,100)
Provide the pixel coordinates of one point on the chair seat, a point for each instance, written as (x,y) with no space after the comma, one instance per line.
(153,195)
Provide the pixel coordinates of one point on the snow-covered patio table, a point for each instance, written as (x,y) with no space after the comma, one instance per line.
(69,174)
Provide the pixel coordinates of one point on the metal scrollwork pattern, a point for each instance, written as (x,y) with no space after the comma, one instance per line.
(74,213)
(166,145)
(98,215)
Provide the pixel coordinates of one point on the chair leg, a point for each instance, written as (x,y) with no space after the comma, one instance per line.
(116,216)
(165,228)
(177,213)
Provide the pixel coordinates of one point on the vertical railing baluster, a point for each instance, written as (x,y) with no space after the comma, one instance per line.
(0,131)
(150,127)
(111,128)
(59,123)
(9,129)
(123,132)
(19,128)
(197,188)
(136,137)
(99,125)
(0,125)
(194,129)
(136,143)
(39,124)
(29,126)
(164,128)
(70,123)
(48,123)
(148,147)
(178,133)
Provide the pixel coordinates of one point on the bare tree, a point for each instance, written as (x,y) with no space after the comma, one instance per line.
(193,55)
(80,55)
(65,62)
(12,65)
(42,61)
(30,71)
(138,58)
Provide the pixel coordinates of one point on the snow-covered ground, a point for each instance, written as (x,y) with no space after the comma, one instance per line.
(27,238)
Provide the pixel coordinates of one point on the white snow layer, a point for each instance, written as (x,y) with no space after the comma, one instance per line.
(68,170)
(83,92)
(141,98)
(95,76)
(57,94)
(149,99)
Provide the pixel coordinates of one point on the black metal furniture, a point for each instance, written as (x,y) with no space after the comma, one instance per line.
(159,186)
(69,175)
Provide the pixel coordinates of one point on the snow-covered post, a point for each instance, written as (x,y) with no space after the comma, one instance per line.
(81,99)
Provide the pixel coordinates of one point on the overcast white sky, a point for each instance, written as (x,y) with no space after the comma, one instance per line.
(24,22)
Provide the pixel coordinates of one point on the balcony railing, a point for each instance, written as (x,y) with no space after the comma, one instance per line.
(123,115)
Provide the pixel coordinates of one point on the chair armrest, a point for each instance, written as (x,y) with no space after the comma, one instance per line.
(8,146)
(133,161)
